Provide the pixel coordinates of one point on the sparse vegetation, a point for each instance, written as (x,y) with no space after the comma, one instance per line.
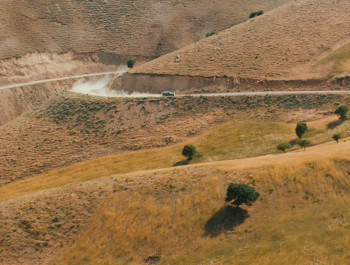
(301,129)
(255,14)
(336,137)
(304,143)
(342,111)
(238,194)
(210,34)
(284,146)
(189,151)
(130,63)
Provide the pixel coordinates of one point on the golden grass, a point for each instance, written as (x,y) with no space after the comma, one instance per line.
(229,141)
(340,58)
(303,217)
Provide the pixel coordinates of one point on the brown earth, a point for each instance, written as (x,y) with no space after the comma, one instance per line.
(287,43)
(138,28)
(70,129)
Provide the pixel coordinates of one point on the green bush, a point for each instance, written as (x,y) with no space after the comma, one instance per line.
(189,151)
(130,63)
(255,14)
(336,137)
(284,146)
(238,194)
(304,143)
(252,15)
(342,111)
(301,129)
(210,34)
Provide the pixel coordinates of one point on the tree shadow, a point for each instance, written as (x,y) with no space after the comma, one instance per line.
(294,142)
(334,124)
(182,163)
(226,219)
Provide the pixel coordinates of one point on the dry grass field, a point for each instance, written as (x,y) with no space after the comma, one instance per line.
(302,217)
(290,42)
(179,213)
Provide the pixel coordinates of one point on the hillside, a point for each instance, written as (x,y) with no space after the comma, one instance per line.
(138,28)
(301,40)
(303,208)
(302,218)
(72,128)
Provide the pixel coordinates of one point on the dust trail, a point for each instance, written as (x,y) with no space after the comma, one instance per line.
(99,87)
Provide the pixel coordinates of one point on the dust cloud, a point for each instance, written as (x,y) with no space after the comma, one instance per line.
(99,87)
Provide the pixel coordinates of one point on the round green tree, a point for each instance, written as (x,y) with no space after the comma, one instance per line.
(304,143)
(189,151)
(238,194)
(301,129)
(284,146)
(130,63)
(336,137)
(342,111)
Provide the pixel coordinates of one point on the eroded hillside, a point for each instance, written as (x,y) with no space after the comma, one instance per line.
(145,28)
(301,40)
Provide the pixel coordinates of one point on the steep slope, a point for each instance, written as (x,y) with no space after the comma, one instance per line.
(146,28)
(71,129)
(284,44)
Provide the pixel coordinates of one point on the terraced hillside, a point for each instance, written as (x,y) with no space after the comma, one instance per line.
(302,40)
(144,28)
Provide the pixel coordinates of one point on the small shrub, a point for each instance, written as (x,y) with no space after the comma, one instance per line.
(256,14)
(130,63)
(283,147)
(189,151)
(238,194)
(252,15)
(304,143)
(342,111)
(336,137)
(210,34)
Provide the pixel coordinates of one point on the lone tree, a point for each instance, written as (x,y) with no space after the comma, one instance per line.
(189,151)
(284,146)
(304,143)
(301,129)
(342,111)
(238,194)
(336,137)
(130,63)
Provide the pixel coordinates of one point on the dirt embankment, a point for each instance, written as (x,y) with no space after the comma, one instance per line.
(16,101)
(38,66)
(153,83)
(41,66)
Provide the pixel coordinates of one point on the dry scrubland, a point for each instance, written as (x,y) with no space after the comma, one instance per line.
(144,28)
(179,214)
(300,40)
(301,218)
(71,129)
